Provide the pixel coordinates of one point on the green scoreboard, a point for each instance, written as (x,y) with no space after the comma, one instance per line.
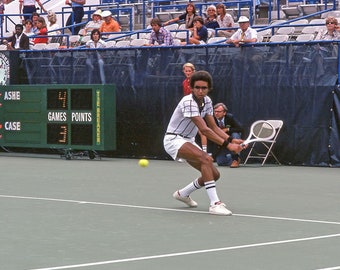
(80,117)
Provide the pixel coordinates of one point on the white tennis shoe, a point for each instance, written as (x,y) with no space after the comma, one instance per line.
(187,200)
(219,209)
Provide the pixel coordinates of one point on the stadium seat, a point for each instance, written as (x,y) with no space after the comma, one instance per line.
(39,46)
(215,40)
(305,37)
(279,38)
(123,43)
(52,46)
(138,42)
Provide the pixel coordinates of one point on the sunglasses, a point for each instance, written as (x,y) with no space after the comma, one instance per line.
(330,23)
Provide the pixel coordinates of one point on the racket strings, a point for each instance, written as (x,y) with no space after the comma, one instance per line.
(263,131)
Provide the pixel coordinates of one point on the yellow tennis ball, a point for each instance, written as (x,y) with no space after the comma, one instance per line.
(143,162)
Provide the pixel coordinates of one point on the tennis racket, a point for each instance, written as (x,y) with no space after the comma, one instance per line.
(260,131)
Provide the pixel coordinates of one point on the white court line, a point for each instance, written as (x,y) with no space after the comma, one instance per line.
(329,268)
(166,209)
(189,252)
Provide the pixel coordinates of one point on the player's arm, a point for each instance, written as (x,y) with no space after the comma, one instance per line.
(212,124)
(212,135)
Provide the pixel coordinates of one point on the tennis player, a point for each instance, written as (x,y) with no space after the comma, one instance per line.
(195,112)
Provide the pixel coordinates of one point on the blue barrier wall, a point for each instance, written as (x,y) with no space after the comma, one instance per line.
(293,82)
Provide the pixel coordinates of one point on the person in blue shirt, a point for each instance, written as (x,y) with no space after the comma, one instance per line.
(199,33)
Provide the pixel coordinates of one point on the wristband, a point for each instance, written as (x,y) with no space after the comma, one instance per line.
(225,143)
(230,139)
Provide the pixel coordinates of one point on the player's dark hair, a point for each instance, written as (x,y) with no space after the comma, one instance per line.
(201,75)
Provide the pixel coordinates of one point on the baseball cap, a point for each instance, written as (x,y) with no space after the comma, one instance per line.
(243,19)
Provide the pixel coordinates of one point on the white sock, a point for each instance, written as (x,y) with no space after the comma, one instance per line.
(210,186)
(187,190)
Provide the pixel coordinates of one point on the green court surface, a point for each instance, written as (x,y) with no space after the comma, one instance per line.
(111,214)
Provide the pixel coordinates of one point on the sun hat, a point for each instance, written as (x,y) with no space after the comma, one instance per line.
(243,19)
(106,13)
(98,12)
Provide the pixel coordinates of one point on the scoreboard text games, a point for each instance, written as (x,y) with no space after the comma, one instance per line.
(62,116)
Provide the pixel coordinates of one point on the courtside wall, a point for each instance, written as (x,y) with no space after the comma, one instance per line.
(295,82)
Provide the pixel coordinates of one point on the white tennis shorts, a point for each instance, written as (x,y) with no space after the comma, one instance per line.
(172,143)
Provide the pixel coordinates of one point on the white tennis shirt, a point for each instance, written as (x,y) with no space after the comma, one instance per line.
(181,123)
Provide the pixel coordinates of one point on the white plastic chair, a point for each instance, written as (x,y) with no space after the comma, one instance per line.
(110,44)
(279,38)
(39,46)
(170,27)
(309,30)
(138,42)
(86,39)
(265,148)
(123,43)
(52,46)
(285,30)
(216,40)
(183,35)
(305,37)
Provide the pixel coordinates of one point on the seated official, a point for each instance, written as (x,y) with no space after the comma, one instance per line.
(230,125)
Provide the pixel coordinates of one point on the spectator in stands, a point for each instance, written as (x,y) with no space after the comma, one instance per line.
(188,70)
(95,41)
(188,16)
(109,24)
(245,34)
(230,125)
(53,27)
(199,33)
(2,9)
(19,41)
(27,7)
(225,20)
(95,23)
(211,20)
(160,35)
(331,32)
(35,17)
(94,57)
(77,14)
(28,28)
(42,31)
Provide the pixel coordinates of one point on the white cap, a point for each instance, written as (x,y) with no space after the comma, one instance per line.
(243,19)
(106,13)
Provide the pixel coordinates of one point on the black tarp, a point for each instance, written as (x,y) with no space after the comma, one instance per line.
(293,82)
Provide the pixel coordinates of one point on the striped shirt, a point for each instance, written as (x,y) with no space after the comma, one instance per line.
(181,123)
